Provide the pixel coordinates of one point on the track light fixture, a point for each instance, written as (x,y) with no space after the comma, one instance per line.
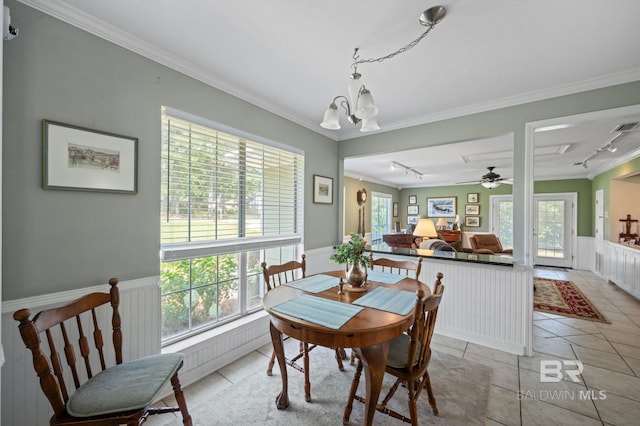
(358,105)
(609,147)
(407,169)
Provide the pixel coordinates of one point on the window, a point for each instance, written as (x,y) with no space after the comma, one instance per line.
(380,215)
(228,203)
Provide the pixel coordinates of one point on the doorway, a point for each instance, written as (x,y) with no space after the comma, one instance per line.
(554,233)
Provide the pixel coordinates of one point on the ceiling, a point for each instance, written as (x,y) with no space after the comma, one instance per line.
(292,58)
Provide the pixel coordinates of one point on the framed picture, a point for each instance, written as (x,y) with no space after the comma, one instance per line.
(79,159)
(472,209)
(322,189)
(413,220)
(396,226)
(395,209)
(413,199)
(472,197)
(441,207)
(472,221)
(412,210)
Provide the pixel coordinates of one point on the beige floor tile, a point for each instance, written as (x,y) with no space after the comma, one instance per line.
(540,332)
(449,341)
(616,336)
(558,328)
(554,346)
(610,361)
(635,319)
(592,341)
(626,326)
(533,363)
(616,410)
(580,324)
(503,406)
(494,354)
(489,422)
(535,412)
(503,375)
(627,386)
(565,393)
(447,349)
(627,350)
(634,364)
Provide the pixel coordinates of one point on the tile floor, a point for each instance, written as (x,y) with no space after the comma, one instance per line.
(607,392)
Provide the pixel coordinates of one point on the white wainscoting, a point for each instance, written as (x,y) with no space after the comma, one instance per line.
(484,304)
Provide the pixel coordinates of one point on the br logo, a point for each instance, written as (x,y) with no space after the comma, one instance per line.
(551,370)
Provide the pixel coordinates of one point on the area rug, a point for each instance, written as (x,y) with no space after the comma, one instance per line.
(245,395)
(564,298)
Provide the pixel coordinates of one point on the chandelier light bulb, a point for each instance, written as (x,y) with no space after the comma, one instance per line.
(353,88)
(365,107)
(369,124)
(331,120)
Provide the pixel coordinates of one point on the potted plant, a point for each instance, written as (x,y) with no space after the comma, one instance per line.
(352,254)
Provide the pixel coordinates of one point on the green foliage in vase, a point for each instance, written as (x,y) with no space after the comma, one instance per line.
(352,252)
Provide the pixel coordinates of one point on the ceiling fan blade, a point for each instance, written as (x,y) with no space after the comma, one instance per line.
(469,181)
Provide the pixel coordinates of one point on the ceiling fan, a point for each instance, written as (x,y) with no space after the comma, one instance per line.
(489,180)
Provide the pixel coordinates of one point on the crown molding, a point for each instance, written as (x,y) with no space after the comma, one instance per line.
(86,22)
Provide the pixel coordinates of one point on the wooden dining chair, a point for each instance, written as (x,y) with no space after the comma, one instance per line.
(402,267)
(409,356)
(113,394)
(274,276)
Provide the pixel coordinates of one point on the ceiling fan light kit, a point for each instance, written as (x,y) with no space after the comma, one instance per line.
(358,105)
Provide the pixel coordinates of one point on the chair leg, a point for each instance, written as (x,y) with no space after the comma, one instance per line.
(353,357)
(182,403)
(413,411)
(307,382)
(352,394)
(432,398)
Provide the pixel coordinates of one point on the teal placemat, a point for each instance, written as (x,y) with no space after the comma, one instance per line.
(385,277)
(315,283)
(387,299)
(318,310)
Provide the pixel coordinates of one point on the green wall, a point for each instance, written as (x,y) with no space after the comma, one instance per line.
(351,188)
(65,240)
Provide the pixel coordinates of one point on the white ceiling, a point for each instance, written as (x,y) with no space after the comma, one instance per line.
(293,57)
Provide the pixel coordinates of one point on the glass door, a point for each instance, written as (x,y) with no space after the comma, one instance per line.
(380,216)
(554,230)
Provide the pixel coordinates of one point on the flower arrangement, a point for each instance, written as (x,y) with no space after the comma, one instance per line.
(352,252)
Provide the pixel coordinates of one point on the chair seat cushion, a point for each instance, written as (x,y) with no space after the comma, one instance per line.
(399,352)
(128,386)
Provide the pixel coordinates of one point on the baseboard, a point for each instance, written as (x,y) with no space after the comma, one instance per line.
(481,340)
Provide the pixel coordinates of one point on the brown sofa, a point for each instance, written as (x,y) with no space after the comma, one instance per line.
(488,244)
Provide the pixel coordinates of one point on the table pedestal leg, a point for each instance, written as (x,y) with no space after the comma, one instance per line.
(282,400)
(374,360)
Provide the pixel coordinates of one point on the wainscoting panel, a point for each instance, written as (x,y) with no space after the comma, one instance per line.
(141,332)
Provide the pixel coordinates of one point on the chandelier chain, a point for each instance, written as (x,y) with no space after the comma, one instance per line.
(390,55)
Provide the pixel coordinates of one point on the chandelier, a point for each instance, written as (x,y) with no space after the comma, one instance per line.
(358,105)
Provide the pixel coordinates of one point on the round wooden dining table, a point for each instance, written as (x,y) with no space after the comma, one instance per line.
(368,332)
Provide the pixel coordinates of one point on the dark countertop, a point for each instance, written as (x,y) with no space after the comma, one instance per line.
(484,259)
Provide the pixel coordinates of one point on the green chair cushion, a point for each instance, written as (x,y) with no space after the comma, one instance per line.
(399,352)
(128,386)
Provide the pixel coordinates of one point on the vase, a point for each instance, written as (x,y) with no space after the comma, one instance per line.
(355,276)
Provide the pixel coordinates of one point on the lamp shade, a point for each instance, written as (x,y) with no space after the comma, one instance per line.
(331,120)
(425,228)
(365,107)
(442,222)
(490,185)
(457,218)
(369,125)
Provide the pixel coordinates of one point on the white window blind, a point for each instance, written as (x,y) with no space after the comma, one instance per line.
(223,193)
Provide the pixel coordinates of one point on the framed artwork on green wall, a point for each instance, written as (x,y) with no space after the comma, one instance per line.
(472,197)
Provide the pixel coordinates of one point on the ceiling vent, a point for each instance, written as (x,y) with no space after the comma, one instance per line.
(625,127)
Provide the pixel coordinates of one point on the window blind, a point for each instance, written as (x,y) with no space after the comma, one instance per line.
(221,190)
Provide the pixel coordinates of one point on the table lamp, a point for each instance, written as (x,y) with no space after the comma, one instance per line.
(425,229)
(442,223)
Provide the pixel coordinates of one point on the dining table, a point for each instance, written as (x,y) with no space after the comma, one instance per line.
(364,319)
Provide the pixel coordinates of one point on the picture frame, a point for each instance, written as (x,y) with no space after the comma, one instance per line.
(412,210)
(322,189)
(472,209)
(396,227)
(395,209)
(472,197)
(413,199)
(472,221)
(441,206)
(76,158)
(412,220)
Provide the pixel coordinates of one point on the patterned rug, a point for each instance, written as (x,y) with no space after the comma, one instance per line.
(564,298)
